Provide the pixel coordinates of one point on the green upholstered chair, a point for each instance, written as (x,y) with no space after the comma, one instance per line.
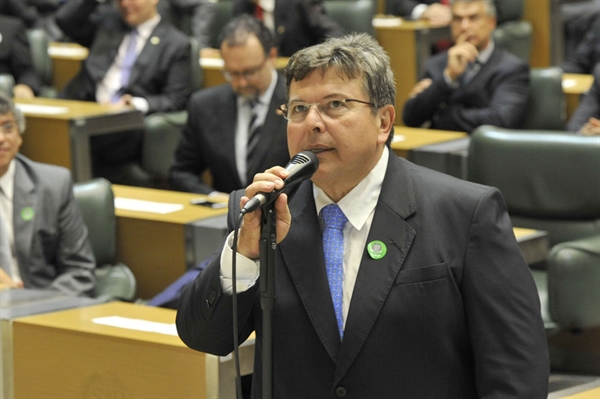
(353,15)
(512,32)
(224,12)
(547,107)
(42,63)
(161,136)
(551,181)
(115,281)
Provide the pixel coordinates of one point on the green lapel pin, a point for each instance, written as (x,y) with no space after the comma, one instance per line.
(376,249)
(27,213)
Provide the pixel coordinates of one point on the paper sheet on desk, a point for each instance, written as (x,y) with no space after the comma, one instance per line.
(42,109)
(146,206)
(568,83)
(137,324)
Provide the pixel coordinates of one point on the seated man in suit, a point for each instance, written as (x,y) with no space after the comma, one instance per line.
(586,118)
(233,129)
(437,13)
(15,57)
(136,59)
(43,238)
(587,52)
(295,23)
(474,82)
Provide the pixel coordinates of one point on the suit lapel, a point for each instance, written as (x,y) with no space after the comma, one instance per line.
(305,263)
(149,53)
(106,48)
(24,204)
(376,277)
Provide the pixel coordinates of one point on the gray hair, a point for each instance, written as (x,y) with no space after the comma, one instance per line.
(490,7)
(353,56)
(7,106)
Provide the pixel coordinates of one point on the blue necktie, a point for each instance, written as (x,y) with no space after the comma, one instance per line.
(127,64)
(333,248)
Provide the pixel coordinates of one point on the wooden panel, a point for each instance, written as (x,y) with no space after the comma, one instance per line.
(538,13)
(47,140)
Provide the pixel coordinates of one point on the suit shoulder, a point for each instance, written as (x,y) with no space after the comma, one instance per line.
(508,60)
(212,95)
(43,171)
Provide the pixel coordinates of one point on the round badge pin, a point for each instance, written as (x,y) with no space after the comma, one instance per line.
(155,40)
(27,213)
(376,249)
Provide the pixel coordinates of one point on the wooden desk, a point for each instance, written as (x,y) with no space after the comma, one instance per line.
(547,44)
(534,244)
(69,355)
(574,386)
(16,303)
(407,139)
(159,248)
(574,85)
(58,131)
(408,43)
(212,67)
(66,62)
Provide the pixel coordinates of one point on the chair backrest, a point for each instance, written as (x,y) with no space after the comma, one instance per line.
(161,136)
(97,203)
(42,63)
(550,180)
(515,37)
(547,107)
(509,10)
(353,15)
(224,12)
(196,70)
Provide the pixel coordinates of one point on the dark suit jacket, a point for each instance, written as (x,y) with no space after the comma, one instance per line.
(589,105)
(161,73)
(298,23)
(497,95)
(208,141)
(15,55)
(450,312)
(51,238)
(587,53)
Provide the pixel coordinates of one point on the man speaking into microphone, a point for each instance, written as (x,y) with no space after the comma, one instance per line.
(392,280)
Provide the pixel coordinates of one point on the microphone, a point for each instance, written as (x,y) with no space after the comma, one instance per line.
(301,167)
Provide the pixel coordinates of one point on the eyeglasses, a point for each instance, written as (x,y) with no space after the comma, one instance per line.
(247,74)
(8,127)
(297,111)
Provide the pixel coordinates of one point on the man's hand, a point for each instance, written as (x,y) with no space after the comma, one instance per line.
(420,87)
(437,14)
(250,232)
(459,57)
(6,282)
(591,128)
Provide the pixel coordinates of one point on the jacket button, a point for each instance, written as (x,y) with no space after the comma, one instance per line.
(340,392)
(211,298)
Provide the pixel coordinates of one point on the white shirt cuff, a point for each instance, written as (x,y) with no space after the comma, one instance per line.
(141,104)
(247,270)
(418,11)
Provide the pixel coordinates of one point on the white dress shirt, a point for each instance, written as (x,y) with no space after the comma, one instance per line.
(112,80)
(358,207)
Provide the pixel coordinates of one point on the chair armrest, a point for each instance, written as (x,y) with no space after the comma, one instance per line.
(574,282)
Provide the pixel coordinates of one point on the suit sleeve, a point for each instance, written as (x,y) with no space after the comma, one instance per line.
(589,105)
(21,63)
(506,108)
(204,314)
(402,8)
(74,19)
(503,308)
(587,52)
(188,163)
(174,89)
(320,24)
(75,261)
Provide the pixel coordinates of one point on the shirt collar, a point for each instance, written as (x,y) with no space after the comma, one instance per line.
(144,30)
(356,205)
(7,181)
(486,53)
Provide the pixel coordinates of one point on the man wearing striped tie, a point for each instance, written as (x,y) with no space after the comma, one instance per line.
(391,280)
(233,130)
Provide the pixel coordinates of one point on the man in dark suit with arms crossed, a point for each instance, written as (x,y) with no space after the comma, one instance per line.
(436,299)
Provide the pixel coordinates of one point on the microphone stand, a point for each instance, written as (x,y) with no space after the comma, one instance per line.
(268,245)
